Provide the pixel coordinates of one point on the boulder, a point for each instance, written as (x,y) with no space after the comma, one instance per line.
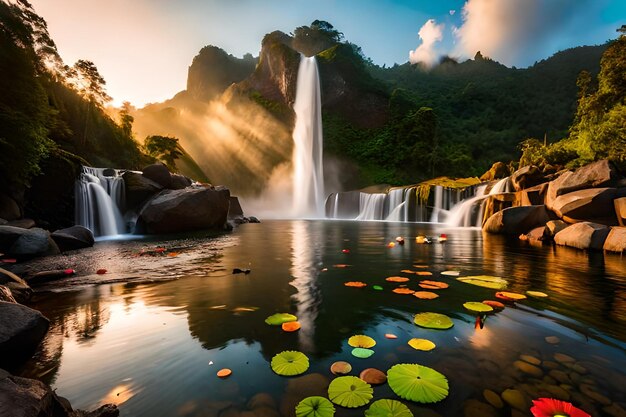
(72,238)
(527,177)
(535,235)
(185,210)
(179,182)
(620,210)
(585,235)
(9,210)
(533,196)
(234,209)
(36,242)
(516,220)
(497,171)
(552,228)
(138,188)
(21,332)
(6,295)
(597,174)
(109,172)
(159,174)
(588,204)
(23,223)
(24,397)
(498,202)
(616,240)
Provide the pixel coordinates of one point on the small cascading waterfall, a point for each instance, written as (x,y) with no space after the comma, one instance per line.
(372,206)
(99,200)
(469,212)
(308,175)
(505,185)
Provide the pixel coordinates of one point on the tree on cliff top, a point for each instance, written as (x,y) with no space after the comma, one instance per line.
(313,39)
(164,148)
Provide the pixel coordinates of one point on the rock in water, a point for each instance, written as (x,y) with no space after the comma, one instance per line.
(516,220)
(159,174)
(138,189)
(75,237)
(35,242)
(21,332)
(584,235)
(616,240)
(185,210)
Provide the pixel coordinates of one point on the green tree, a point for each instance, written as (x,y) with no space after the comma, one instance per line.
(126,120)
(164,148)
(313,39)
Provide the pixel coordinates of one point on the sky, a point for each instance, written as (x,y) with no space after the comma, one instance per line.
(143,48)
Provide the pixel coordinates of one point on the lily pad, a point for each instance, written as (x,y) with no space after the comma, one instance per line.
(340,368)
(377,288)
(403,291)
(291,326)
(289,363)
(315,407)
(407,271)
(421,344)
(425,295)
(361,341)
(417,383)
(433,321)
(537,294)
(350,391)
(388,408)
(356,284)
(476,307)
(390,336)
(280,318)
(362,353)
(485,281)
(433,285)
(424,273)
(510,296)
(496,305)
(397,279)
(373,376)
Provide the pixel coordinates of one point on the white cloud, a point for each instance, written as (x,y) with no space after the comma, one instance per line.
(430,34)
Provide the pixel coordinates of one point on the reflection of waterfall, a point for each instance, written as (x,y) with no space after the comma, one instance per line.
(306,259)
(99,199)
(308,178)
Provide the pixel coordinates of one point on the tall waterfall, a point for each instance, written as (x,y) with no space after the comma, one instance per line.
(308,176)
(98,200)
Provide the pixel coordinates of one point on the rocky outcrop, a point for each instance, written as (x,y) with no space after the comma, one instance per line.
(23,223)
(533,196)
(584,235)
(159,174)
(516,220)
(138,189)
(497,171)
(535,235)
(26,243)
(553,227)
(527,177)
(21,332)
(185,210)
(616,240)
(620,210)
(24,397)
(590,204)
(498,202)
(72,238)
(179,182)
(234,209)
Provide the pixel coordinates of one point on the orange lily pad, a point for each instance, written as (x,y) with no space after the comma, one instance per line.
(496,305)
(291,326)
(424,273)
(407,271)
(420,266)
(397,279)
(224,373)
(433,285)
(425,295)
(403,291)
(390,336)
(356,284)
(510,296)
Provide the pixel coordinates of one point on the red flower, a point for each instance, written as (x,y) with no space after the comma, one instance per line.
(549,407)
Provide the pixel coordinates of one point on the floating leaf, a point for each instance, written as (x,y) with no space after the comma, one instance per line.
(425,295)
(477,307)
(224,373)
(407,271)
(390,336)
(289,363)
(403,291)
(537,294)
(433,321)
(361,341)
(417,383)
(280,318)
(345,251)
(315,407)
(397,279)
(496,305)
(291,326)
(362,353)
(420,266)
(424,273)
(377,288)
(433,285)
(510,296)
(451,273)
(388,408)
(356,284)
(350,391)
(340,368)
(373,376)
(391,244)
(485,281)
(341,266)
(421,344)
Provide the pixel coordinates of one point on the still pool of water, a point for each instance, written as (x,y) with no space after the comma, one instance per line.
(154,348)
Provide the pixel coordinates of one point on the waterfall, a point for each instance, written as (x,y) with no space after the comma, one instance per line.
(371,206)
(98,201)
(469,212)
(308,176)
(505,185)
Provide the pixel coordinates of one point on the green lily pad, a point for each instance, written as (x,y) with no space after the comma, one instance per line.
(350,391)
(388,408)
(433,321)
(362,341)
(315,407)
(289,363)
(537,294)
(477,307)
(417,383)
(362,353)
(280,318)
(486,281)
(377,287)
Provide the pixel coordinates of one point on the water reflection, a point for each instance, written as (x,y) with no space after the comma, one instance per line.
(306,262)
